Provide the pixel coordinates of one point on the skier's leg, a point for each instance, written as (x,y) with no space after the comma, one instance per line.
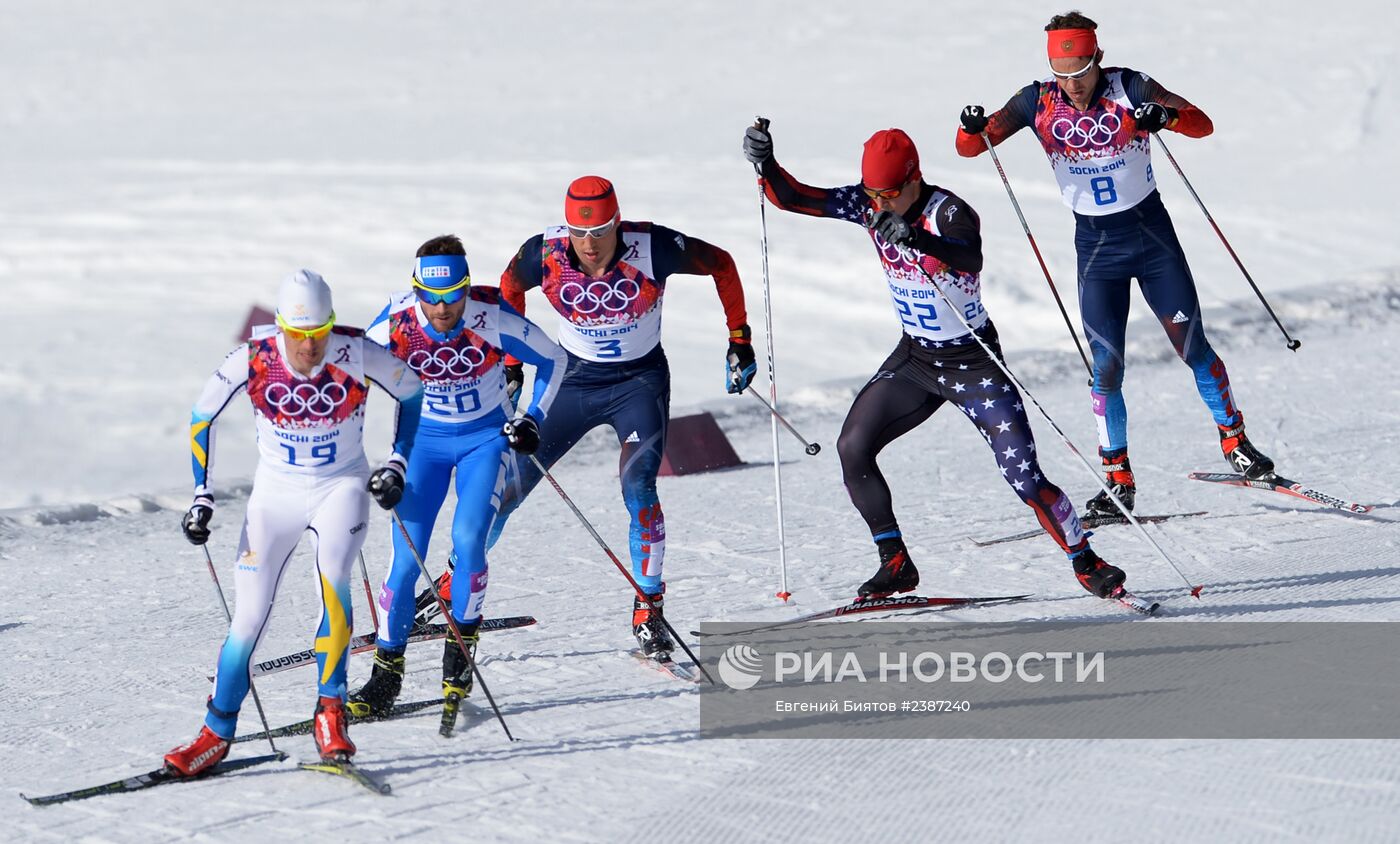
(638,414)
(1105,268)
(425,487)
(338,531)
(480,478)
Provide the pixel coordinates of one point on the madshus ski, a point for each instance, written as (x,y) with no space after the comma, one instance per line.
(302,728)
(1089,523)
(160,776)
(349,770)
(869,605)
(1285,486)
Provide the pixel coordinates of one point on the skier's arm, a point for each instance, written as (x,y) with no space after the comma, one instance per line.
(960,244)
(1017,114)
(1184,117)
(227,381)
(678,254)
(525,272)
(378,331)
(526,341)
(400,381)
(844,203)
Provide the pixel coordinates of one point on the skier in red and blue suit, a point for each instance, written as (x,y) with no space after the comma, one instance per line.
(1094,123)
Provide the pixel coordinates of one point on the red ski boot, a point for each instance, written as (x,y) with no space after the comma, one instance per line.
(197,757)
(329,728)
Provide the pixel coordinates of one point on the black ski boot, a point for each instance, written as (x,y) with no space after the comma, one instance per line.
(377,696)
(1118,476)
(652,636)
(897,572)
(1243,456)
(457,668)
(1100,578)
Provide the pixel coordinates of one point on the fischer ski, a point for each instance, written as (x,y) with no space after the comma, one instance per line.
(302,728)
(1133,602)
(160,776)
(1285,486)
(349,770)
(667,666)
(868,605)
(1089,523)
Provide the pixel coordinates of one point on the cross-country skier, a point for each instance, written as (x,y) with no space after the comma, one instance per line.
(1094,123)
(936,360)
(308,380)
(605,277)
(454,334)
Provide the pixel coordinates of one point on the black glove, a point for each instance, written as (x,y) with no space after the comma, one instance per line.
(195,524)
(758,145)
(739,364)
(523,434)
(1153,117)
(893,228)
(515,381)
(386,484)
(974,120)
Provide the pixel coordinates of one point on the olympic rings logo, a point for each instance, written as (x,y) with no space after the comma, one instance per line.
(446,361)
(600,296)
(306,398)
(1086,131)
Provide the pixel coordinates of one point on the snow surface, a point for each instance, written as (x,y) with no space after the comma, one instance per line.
(166,163)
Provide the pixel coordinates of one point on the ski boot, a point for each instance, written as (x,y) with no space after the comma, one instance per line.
(652,636)
(1118,476)
(207,750)
(897,572)
(457,668)
(424,605)
(328,726)
(1243,456)
(376,697)
(1100,578)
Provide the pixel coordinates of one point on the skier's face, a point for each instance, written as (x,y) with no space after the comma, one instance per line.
(900,203)
(594,252)
(444,317)
(305,353)
(1077,76)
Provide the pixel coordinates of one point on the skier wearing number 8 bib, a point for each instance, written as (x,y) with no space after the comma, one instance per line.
(455,336)
(1094,123)
(605,277)
(937,361)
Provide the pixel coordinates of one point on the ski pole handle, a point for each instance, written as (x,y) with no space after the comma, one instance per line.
(810,447)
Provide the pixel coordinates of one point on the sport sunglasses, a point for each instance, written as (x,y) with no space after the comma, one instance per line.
(594,232)
(1078,74)
(307,333)
(887,193)
(450,296)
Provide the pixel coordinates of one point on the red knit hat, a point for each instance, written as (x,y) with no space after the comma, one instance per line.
(890,160)
(589,202)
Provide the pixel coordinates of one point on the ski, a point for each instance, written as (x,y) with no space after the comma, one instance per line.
(1089,523)
(365,643)
(302,728)
(1134,603)
(1285,486)
(667,666)
(159,776)
(349,770)
(451,705)
(868,605)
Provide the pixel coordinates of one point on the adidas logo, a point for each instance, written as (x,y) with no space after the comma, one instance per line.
(1179,318)
(633,438)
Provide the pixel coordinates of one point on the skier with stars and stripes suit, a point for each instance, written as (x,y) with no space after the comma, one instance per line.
(308,380)
(1094,124)
(605,277)
(454,335)
(936,361)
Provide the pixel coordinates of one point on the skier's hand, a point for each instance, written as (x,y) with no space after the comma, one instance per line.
(1153,117)
(973,119)
(522,434)
(195,524)
(739,364)
(515,381)
(386,484)
(758,145)
(892,228)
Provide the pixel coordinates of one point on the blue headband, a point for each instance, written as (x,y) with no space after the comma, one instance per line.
(441,272)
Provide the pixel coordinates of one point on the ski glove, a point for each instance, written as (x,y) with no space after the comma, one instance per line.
(893,228)
(740,366)
(195,524)
(974,120)
(515,381)
(386,484)
(1153,117)
(523,434)
(758,145)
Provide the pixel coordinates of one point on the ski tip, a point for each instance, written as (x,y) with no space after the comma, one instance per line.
(784,596)
(1196,591)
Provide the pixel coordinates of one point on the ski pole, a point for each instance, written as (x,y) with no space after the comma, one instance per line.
(451,622)
(219,590)
(1293,345)
(651,604)
(1036,249)
(810,448)
(369,593)
(1098,479)
(783,593)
